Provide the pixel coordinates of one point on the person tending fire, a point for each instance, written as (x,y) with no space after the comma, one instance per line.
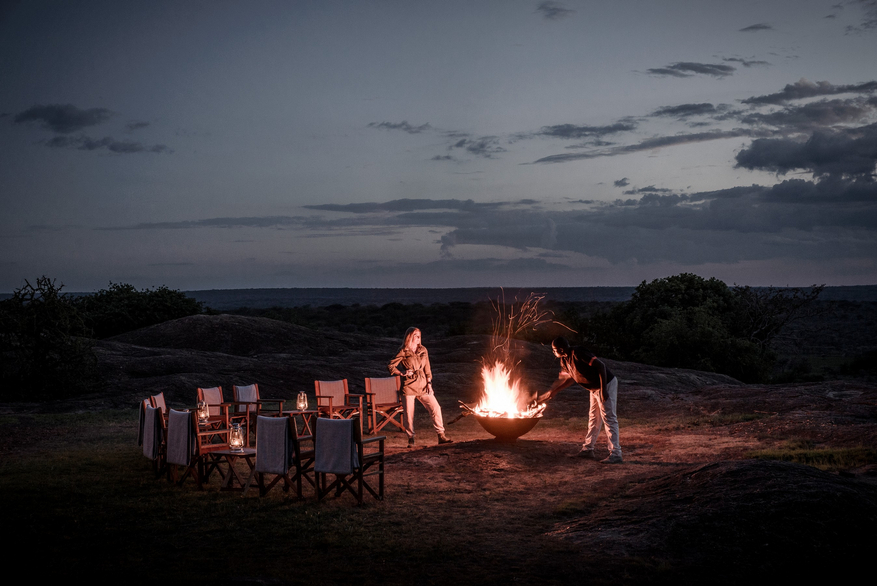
(577,365)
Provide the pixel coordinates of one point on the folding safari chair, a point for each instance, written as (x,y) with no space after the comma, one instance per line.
(152,436)
(192,449)
(249,406)
(336,401)
(278,452)
(341,451)
(384,403)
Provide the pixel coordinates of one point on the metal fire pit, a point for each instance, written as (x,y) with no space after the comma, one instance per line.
(507,429)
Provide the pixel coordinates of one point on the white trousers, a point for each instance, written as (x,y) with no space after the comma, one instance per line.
(432,407)
(603,411)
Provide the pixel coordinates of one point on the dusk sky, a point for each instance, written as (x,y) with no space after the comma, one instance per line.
(205,145)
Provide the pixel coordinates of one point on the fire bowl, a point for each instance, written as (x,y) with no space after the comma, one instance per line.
(507,429)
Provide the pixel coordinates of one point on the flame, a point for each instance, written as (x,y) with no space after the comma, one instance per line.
(503,396)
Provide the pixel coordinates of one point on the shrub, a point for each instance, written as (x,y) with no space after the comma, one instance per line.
(43,351)
(121,308)
(686,321)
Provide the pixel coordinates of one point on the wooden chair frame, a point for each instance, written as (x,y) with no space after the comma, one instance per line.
(159,436)
(158,402)
(337,405)
(302,461)
(380,411)
(251,409)
(371,463)
(203,461)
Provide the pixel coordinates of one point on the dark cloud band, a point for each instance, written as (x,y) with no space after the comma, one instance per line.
(63,118)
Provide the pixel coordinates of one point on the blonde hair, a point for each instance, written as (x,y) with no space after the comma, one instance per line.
(409,333)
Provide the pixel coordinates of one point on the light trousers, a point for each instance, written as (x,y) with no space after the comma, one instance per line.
(432,407)
(603,411)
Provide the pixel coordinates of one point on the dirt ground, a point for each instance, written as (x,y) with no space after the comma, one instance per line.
(688,505)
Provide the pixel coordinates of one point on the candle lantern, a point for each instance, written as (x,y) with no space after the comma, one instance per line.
(203,411)
(302,403)
(236,438)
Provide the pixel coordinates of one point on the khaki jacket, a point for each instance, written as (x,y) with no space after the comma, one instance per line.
(418,362)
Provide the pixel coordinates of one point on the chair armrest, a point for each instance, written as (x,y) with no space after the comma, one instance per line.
(324,398)
(279,403)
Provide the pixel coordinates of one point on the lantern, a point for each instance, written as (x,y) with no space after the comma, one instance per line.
(203,411)
(236,438)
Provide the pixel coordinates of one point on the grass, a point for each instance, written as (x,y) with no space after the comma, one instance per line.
(804,451)
(81,499)
(717,419)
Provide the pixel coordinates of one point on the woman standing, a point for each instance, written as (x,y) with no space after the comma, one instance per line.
(412,364)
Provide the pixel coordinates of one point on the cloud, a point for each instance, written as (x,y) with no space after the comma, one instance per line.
(85,143)
(403,126)
(132,126)
(807,89)
(63,118)
(834,217)
(685,110)
(746,62)
(868,20)
(485,146)
(848,152)
(554,10)
(623,182)
(650,144)
(815,114)
(688,69)
(573,131)
(251,222)
(407,205)
(756,27)
(648,189)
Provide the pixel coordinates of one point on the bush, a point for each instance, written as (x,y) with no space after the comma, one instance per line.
(121,308)
(43,351)
(686,321)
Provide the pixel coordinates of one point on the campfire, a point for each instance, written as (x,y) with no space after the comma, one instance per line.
(503,396)
(505,408)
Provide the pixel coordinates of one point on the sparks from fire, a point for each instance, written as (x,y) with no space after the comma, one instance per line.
(503,394)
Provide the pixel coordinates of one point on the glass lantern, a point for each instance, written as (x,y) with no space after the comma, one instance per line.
(203,411)
(236,438)
(302,402)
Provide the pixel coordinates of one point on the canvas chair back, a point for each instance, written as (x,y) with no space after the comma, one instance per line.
(158,402)
(335,450)
(247,394)
(341,451)
(141,416)
(336,389)
(384,403)
(151,432)
(274,447)
(386,390)
(335,400)
(279,452)
(213,397)
(181,438)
